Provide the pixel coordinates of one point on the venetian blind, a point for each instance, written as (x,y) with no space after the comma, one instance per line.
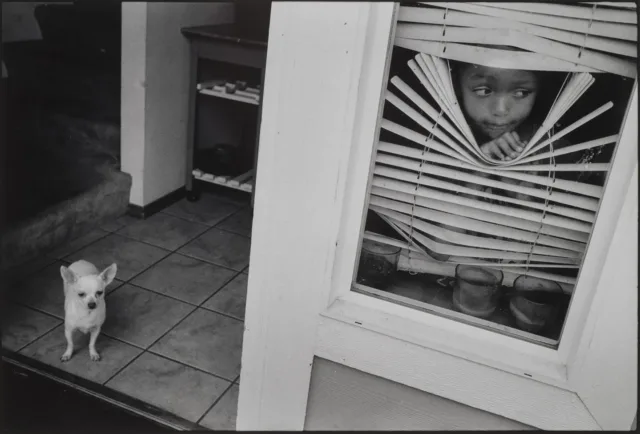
(420,184)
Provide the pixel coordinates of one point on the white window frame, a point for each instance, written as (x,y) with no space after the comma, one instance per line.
(308,216)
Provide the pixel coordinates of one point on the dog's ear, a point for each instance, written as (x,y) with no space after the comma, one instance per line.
(109,273)
(68,275)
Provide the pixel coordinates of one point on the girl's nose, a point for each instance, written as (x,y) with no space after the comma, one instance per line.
(500,107)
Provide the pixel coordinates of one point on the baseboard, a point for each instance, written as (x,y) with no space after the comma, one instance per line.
(143,212)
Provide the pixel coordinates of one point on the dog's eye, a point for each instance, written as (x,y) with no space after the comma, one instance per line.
(100,293)
(81,294)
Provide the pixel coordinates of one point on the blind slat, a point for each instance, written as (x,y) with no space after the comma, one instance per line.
(475,242)
(622,5)
(469,35)
(561,234)
(574,11)
(431,169)
(420,16)
(570,149)
(448,249)
(455,188)
(476,225)
(438,72)
(429,193)
(546,181)
(626,32)
(492,57)
(424,123)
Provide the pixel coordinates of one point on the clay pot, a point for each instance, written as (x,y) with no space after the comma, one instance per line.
(535,302)
(477,290)
(378,264)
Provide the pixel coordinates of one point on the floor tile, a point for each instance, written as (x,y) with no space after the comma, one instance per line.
(209,209)
(77,243)
(26,269)
(179,389)
(222,417)
(231,299)
(120,222)
(184,278)
(44,290)
(140,317)
(239,223)
(131,256)
(21,325)
(221,248)
(164,231)
(114,354)
(205,340)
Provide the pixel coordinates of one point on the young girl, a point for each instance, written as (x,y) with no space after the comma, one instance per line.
(500,107)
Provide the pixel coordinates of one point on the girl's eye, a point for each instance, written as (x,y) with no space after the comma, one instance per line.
(522,93)
(482,91)
(99,293)
(82,294)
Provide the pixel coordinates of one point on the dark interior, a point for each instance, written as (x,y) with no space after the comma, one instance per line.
(63,123)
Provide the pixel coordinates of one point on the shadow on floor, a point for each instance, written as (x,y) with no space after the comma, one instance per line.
(32,403)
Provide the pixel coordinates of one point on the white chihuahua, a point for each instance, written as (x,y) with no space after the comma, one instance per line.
(84,304)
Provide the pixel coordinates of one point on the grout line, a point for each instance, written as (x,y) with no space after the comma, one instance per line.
(198,222)
(186,255)
(133,239)
(214,403)
(106,234)
(188,365)
(37,309)
(125,366)
(187,302)
(39,338)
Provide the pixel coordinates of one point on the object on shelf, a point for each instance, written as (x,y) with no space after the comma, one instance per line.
(477,290)
(238,91)
(378,264)
(535,302)
(242,182)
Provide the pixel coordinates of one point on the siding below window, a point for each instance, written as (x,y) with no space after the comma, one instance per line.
(342,398)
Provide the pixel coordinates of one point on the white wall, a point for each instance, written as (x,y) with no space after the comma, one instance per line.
(154,128)
(133,95)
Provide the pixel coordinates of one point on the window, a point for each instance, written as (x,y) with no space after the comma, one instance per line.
(498,132)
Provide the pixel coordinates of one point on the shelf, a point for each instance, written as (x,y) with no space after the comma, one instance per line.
(217,89)
(242,182)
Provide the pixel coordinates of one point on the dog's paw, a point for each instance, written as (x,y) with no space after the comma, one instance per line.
(95,357)
(65,357)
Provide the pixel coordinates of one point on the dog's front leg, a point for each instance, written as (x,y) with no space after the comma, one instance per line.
(92,344)
(68,333)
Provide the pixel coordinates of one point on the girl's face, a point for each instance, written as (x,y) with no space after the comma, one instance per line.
(497,101)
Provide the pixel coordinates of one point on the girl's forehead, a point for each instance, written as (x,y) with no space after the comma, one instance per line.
(480,72)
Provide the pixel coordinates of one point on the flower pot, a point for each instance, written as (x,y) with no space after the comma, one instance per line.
(378,264)
(477,290)
(535,302)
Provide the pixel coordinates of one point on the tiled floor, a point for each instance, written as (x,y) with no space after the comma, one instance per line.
(173,334)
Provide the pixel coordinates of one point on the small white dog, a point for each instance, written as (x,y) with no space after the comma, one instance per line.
(84,304)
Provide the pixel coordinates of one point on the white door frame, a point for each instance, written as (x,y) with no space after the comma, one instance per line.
(325,68)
